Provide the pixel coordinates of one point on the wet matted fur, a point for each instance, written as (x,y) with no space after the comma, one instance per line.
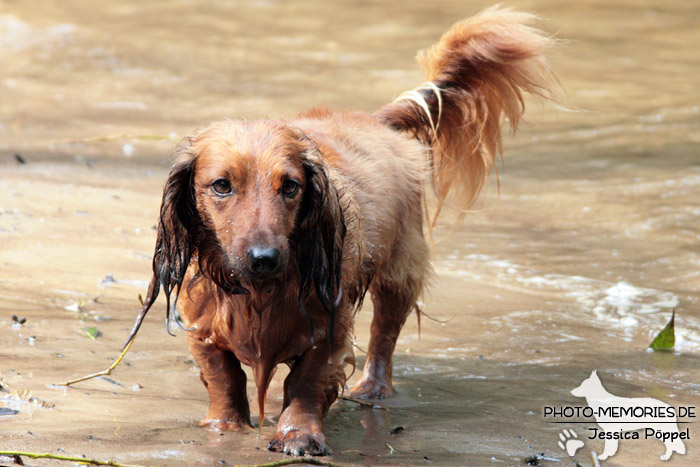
(272,231)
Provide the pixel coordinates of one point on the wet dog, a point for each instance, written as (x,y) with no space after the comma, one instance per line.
(272,231)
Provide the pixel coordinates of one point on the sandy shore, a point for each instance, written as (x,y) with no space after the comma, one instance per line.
(472,390)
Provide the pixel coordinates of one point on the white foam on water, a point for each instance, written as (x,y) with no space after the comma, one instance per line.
(622,307)
(18,35)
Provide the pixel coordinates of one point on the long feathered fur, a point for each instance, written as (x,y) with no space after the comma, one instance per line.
(357,226)
(477,74)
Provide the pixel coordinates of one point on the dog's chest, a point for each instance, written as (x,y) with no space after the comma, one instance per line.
(256,338)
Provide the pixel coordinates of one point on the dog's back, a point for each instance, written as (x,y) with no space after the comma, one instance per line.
(383,173)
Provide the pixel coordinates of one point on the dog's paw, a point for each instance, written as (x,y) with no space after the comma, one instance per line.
(569,443)
(300,442)
(226,425)
(371,389)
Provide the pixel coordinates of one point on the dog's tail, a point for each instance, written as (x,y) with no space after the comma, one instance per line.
(477,74)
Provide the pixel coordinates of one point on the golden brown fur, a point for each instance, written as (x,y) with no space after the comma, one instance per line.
(275,230)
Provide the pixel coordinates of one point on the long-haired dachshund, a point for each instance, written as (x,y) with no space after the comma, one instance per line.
(274,230)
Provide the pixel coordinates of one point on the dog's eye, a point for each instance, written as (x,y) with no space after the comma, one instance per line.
(222,187)
(289,188)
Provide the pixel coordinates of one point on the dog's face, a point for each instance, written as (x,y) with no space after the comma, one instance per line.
(249,182)
(253,203)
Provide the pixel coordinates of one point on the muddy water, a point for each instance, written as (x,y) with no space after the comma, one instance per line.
(591,244)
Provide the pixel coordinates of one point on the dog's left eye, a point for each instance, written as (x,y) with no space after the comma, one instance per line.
(289,188)
(222,187)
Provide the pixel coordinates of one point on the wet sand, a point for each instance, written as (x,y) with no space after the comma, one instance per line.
(574,267)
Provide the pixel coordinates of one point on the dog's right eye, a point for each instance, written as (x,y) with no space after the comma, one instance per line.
(222,187)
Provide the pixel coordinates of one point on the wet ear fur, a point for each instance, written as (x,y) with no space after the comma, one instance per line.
(319,238)
(177,235)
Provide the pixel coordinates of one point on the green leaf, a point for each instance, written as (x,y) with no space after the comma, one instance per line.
(666,339)
(93,333)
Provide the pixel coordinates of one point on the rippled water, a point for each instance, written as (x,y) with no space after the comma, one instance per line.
(574,267)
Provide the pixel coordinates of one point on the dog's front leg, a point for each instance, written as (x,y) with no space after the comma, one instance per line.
(309,390)
(225,381)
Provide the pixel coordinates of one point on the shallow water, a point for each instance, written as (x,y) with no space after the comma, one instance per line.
(574,267)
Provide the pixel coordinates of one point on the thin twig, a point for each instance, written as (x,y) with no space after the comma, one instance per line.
(296,460)
(594,459)
(441,321)
(82,460)
(365,403)
(106,372)
(109,370)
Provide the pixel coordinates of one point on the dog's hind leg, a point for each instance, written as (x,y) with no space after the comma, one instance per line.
(225,381)
(391,308)
(395,291)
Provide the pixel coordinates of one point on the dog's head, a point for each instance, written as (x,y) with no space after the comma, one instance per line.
(588,386)
(253,203)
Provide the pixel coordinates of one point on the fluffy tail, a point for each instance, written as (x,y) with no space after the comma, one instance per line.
(477,74)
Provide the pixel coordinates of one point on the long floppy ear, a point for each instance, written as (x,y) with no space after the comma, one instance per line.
(177,231)
(319,237)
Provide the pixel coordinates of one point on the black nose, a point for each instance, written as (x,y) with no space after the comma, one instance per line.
(262,260)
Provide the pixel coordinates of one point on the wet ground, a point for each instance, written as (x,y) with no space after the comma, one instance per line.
(575,267)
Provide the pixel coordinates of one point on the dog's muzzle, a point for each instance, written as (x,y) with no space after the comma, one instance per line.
(263,261)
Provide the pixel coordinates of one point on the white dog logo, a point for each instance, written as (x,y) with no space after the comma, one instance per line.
(617,416)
